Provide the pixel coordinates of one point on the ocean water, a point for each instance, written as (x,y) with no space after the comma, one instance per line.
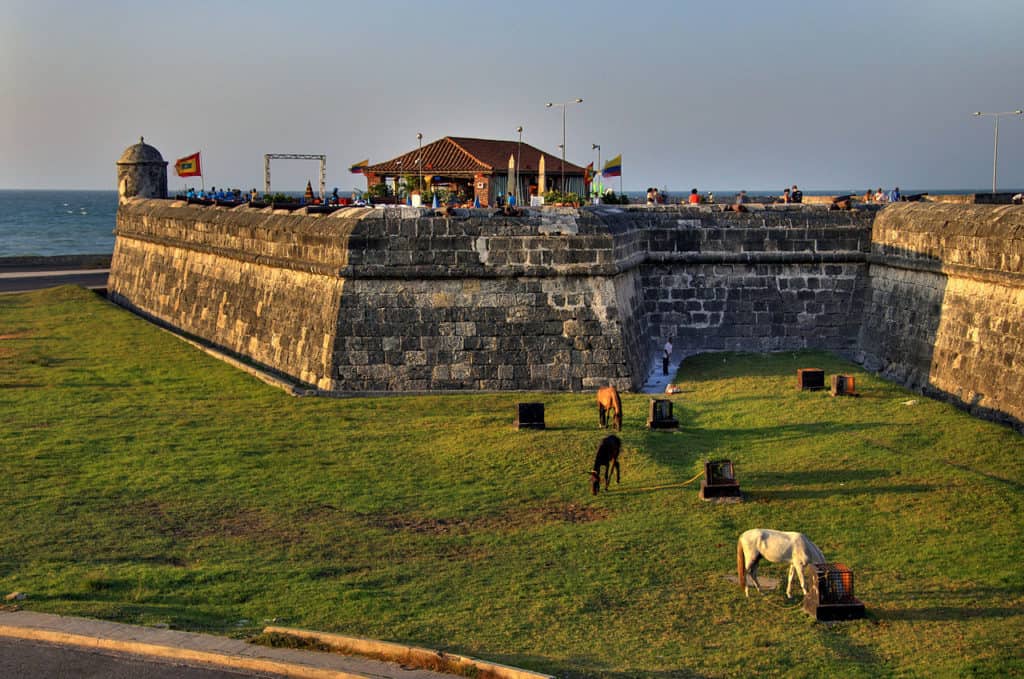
(43,222)
(56,222)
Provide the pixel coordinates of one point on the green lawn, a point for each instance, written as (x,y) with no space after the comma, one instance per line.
(146,482)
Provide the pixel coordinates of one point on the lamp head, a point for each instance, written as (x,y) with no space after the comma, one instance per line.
(594,146)
(1019,111)
(579,101)
(549,104)
(419,135)
(977,113)
(519,129)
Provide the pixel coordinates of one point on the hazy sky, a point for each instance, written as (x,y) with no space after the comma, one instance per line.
(754,95)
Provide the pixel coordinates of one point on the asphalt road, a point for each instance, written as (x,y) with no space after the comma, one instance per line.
(23,281)
(35,660)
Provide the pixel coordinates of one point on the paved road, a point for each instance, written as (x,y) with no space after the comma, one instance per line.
(23,281)
(32,659)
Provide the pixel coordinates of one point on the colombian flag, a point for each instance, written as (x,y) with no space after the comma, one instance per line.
(358,168)
(188,166)
(613,168)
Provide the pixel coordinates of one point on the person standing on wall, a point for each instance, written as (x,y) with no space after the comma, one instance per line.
(666,356)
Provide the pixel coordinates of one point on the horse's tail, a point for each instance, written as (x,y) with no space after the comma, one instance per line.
(741,570)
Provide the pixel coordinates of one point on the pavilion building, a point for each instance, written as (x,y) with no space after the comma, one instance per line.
(480,169)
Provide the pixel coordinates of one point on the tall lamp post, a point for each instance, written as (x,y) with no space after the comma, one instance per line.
(563,106)
(519,154)
(995,145)
(419,159)
(597,168)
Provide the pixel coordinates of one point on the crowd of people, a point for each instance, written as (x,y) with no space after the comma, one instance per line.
(881,197)
(218,194)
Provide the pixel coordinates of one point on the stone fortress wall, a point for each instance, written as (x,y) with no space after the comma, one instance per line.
(945,312)
(399,300)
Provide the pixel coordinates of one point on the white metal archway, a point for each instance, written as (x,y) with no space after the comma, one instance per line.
(295,156)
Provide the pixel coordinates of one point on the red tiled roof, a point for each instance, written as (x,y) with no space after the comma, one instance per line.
(465,156)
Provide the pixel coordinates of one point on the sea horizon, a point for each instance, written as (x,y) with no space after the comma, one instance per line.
(55,222)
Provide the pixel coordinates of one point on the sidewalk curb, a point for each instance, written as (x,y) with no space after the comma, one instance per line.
(179,654)
(402,653)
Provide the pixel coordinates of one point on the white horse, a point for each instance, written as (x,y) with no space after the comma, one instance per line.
(778,547)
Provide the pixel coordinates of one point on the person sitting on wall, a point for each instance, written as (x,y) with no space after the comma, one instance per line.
(694,197)
(880,196)
(738,203)
(511,199)
(796,195)
(868,196)
(894,195)
(785,197)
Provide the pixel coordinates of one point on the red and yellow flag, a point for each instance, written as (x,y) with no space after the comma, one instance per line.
(188,166)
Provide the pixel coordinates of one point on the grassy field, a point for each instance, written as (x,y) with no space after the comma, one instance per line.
(146,482)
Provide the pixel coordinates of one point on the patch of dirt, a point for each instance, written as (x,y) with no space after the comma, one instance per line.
(511,519)
(14,335)
(568,513)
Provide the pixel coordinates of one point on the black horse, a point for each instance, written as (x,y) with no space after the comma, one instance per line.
(607,457)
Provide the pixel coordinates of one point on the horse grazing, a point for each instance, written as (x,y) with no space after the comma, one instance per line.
(777,547)
(607,457)
(608,400)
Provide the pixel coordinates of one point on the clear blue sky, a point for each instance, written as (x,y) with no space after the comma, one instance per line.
(754,95)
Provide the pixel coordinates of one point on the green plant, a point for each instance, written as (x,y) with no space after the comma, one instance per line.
(380,190)
(610,198)
(556,197)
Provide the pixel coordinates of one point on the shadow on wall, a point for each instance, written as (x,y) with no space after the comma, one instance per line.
(902,315)
(946,332)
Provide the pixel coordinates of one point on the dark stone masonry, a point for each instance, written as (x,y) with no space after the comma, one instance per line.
(561,299)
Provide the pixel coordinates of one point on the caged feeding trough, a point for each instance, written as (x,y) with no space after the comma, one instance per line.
(843,385)
(830,593)
(810,379)
(529,416)
(719,481)
(660,415)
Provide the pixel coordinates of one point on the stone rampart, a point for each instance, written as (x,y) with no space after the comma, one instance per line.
(365,300)
(945,312)
(400,300)
(774,278)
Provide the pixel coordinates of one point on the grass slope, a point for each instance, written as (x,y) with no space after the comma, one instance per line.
(146,482)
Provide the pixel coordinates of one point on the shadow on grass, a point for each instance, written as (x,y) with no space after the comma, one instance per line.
(1009,482)
(952,613)
(827,475)
(833,491)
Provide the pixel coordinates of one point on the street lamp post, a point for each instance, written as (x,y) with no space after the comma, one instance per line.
(519,154)
(563,106)
(995,144)
(597,168)
(419,159)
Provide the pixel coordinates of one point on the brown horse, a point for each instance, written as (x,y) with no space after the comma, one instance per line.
(608,400)
(607,457)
